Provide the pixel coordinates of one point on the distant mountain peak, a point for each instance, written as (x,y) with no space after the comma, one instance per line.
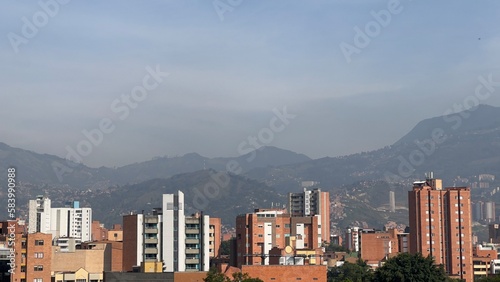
(476,118)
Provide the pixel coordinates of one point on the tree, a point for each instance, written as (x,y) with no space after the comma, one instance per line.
(335,248)
(350,272)
(244,277)
(410,267)
(225,248)
(215,276)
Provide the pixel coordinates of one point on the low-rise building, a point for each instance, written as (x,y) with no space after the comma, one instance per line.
(270,235)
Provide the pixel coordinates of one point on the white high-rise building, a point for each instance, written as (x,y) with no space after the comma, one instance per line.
(178,242)
(186,238)
(39,215)
(66,222)
(392,201)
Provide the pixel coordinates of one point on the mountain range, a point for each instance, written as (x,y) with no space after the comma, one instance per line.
(463,144)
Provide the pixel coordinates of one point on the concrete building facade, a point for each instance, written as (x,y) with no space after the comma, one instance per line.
(168,241)
(311,203)
(352,239)
(264,230)
(70,221)
(87,263)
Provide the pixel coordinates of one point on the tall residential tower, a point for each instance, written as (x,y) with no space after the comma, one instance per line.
(440,225)
(311,203)
(70,221)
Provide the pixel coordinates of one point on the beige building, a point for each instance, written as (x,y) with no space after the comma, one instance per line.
(86,264)
(115,233)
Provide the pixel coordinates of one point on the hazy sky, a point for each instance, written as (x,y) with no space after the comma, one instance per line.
(64,68)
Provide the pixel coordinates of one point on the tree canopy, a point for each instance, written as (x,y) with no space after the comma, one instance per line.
(215,276)
(350,272)
(410,267)
(401,268)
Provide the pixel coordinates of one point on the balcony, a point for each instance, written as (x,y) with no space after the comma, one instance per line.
(192,261)
(192,221)
(151,251)
(192,231)
(192,251)
(151,230)
(192,241)
(151,220)
(151,241)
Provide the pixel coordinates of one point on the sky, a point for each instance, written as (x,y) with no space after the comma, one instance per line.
(118,82)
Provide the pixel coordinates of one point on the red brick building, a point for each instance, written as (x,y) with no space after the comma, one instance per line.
(99,232)
(440,225)
(377,245)
(266,229)
(33,257)
(215,236)
(286,273)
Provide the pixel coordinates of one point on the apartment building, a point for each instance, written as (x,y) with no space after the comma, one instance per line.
(484,258)
(70,221)
(215,236)
(440,225)
(312,202)
(352,239)
(167,240)
(375,245)
(33,257)
(142,242)
(270,233)
(85,264)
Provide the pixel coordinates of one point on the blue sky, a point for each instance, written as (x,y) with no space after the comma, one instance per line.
(226,75)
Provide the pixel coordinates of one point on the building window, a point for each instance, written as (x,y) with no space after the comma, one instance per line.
(38,242)
(38,255)
(38,268)
(38,280)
